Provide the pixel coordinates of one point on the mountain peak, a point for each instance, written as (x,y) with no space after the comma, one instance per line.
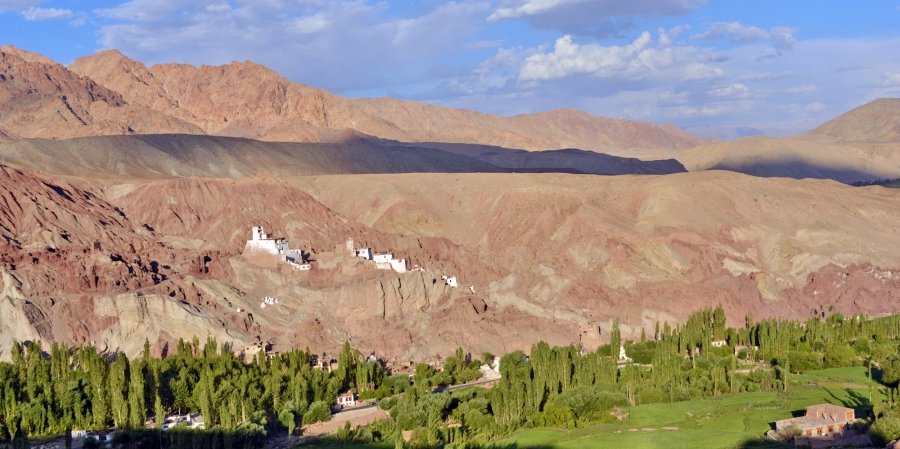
(876,121)
(27,55)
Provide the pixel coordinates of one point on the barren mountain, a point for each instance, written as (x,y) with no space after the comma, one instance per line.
(878,121)
(249,100)
(152,156)
(861,145)
(548,256)
(39,98)
(580,250)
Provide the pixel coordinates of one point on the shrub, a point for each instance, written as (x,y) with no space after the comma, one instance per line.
(319,411)
(885,430)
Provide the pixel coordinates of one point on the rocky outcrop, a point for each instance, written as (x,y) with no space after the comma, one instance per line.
(40,98)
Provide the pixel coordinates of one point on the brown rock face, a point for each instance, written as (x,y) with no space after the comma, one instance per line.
(39,98)
(249,100)
(552,257)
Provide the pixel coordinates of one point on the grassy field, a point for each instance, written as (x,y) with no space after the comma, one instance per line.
(724,422)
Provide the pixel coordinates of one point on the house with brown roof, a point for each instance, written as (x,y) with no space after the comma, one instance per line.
(822,421)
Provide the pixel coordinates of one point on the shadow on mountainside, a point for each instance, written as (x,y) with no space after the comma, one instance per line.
(798,169)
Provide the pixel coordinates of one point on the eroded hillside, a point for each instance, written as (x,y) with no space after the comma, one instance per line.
(552,257)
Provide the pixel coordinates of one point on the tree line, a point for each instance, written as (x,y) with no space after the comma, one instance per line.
(45,394)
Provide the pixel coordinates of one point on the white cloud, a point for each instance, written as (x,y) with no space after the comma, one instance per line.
(781,38)
(637,61)
(598,18)
(345,45)
(17,5)
(309,24)
(35,13)
(734,90)
(891,78)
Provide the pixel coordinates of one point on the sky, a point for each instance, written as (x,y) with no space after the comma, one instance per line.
(724,68)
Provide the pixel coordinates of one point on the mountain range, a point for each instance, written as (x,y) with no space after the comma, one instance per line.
(127,193)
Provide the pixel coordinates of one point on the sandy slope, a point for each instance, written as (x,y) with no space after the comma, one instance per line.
(862,144)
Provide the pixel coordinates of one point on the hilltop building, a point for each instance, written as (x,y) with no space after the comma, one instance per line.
(262,242)
(383,261)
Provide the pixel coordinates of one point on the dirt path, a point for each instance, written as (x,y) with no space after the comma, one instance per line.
(359,417)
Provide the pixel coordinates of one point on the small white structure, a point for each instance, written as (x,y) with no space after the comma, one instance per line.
(79,434)
(364,253)
(719,343)
(302,266)
(268,301)
(472,289)
(450,281)
(347,399)
(623,357)
(492,370)
(191,421)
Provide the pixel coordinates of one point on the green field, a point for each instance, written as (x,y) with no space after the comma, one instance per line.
(723,422)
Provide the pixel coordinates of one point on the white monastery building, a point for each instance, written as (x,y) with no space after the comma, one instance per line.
(383,261)
(262,242)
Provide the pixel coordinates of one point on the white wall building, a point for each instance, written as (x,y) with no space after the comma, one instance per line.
(383,258)
(450,281)
(364,253)
(399,265)
(260,241)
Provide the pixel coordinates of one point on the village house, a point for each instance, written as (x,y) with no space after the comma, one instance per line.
(189,421)
(822,421)
(250,352)
(323,362)
(347,399)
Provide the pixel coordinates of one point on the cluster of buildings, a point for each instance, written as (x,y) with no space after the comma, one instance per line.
(383,261)
(264,243)
(386,261)
(268,301)
(189,421)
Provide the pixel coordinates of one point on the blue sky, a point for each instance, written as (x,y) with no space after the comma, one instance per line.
(722,68)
